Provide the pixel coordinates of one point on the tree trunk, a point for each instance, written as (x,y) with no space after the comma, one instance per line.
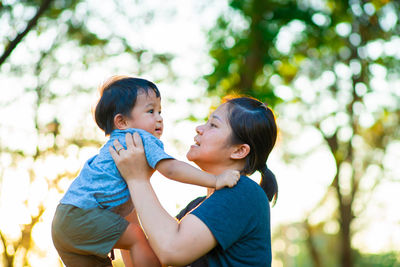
(311,246)
(346,250)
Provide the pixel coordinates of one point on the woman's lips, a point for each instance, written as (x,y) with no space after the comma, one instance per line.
(196,143)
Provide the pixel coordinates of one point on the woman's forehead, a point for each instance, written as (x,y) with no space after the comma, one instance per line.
(221,110)
(220,113)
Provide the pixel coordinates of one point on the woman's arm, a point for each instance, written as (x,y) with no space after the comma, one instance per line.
(174,243)
(135,248)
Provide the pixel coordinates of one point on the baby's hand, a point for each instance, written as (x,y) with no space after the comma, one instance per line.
(228,178)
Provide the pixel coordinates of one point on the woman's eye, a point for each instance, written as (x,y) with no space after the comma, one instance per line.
(213,125)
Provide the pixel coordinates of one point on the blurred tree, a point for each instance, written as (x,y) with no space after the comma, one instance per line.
(43,7)
(335,65)
(243,47)
(51,51)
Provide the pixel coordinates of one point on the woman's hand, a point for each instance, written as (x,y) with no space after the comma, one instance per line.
(131,162)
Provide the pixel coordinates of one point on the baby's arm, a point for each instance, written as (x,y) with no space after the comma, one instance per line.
(186,173)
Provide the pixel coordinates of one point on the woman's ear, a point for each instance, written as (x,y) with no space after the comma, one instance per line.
(240,151)
(119,122)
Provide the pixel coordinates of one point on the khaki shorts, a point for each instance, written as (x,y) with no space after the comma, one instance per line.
(86,237)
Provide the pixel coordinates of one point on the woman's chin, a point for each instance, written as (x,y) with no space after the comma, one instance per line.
(191,158)
(191,155)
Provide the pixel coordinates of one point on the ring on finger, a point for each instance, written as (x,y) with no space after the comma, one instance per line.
(119,149)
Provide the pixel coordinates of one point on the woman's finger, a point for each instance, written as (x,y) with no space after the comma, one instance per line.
(129,141)
(113,153)
(118,146)
(137,140)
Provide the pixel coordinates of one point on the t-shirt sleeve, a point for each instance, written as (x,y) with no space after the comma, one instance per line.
(226,214)
(153,148)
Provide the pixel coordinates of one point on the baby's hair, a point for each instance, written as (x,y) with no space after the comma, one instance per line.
(118,96)
(253,123)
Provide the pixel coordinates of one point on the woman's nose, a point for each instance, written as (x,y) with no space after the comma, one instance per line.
(199,129)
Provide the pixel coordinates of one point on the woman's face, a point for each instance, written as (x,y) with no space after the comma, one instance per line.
(212,148)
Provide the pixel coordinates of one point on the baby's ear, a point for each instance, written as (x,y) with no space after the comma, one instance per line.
(240,151)
(119,122)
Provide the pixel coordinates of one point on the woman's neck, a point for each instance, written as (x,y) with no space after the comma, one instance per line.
(217,170)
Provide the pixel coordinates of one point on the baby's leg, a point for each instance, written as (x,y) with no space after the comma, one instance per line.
(135,248)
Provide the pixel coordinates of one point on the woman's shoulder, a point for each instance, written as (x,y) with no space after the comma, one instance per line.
(246,192)
(231,213)
(245,184)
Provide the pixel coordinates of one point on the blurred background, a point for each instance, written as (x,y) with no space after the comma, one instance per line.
(329,69)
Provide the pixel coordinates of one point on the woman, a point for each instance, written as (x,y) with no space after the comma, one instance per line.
(232,226)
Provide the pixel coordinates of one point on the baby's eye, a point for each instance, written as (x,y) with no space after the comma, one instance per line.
(151,111)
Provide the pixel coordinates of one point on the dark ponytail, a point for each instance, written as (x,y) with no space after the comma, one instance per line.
(269,184)
(253,123)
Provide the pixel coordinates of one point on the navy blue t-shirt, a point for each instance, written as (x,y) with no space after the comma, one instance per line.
(239,219)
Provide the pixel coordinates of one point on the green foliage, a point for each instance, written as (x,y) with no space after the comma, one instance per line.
(290,243)
(327,65)
(390,259)
(244,51)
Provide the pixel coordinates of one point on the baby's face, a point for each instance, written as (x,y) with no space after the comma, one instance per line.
(146,114)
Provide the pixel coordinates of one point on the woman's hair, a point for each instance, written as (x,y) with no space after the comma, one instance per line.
(118,96)
(253,123)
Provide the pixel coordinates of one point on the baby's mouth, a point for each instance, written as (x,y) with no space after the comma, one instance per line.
(158,130)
